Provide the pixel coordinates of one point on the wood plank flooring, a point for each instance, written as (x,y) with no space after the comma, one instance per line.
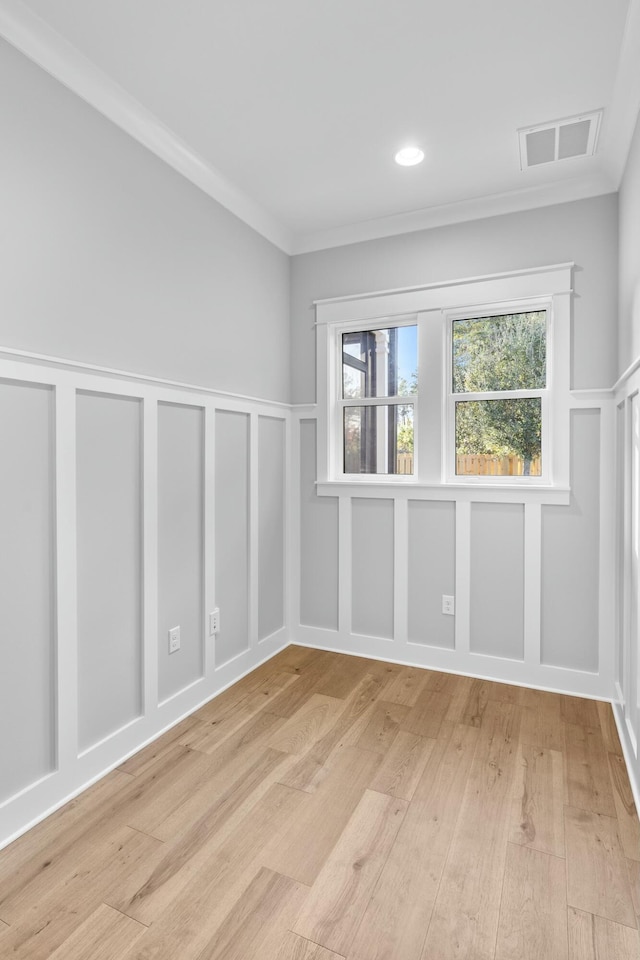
(329,807)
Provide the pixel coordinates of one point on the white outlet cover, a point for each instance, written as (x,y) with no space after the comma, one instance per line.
(174,639)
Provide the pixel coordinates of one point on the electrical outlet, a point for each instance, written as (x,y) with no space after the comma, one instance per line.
(174,639)
(448,605)
(214,621)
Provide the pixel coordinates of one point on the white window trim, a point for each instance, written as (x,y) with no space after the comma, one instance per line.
(546,394)
(435,305)
(338,403)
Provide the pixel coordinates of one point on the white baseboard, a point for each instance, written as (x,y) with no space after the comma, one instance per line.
(629,757)
(574,683)
(60,794)
(39,800)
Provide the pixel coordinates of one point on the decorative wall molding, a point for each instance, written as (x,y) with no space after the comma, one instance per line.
(625,376)
(620,550)
(560,270)
(76,769)
(460,211)
(92,369)
(530,671)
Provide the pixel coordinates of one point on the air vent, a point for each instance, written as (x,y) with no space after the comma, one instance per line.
(559,140)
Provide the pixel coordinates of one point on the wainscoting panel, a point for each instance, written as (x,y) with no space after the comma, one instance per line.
(627,625)
(232,533)
(497,580)
(372,573)
(621,517)
(431,571)
(27,747)
(519,570)
(128,505)
(319,571)
(570,551)
(109,538)
(180,545)
(271,525)
(632,680)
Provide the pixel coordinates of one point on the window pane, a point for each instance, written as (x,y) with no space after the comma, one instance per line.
(500,353)
(500,438)
(379,439)
(380,363)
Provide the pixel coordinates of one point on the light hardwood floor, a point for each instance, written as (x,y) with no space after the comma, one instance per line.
(331,807)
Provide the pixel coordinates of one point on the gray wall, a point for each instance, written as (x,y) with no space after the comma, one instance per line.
(109,524)
(27,633)
(584,231)
(271,525)
(629,202)
(497,579)
(372,567)
(570,556)
(110,257)
(232,533)
(180,545)
(431,549)
(319,526)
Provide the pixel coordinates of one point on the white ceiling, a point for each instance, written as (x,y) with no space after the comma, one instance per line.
(290,111)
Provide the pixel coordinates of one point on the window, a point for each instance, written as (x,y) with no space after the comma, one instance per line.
(452,386)
(498,408)
(379,395)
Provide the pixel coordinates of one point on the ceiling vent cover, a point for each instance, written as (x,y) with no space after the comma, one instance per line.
(559,140)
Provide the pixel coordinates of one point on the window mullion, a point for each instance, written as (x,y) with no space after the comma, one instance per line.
(411,398)
(499,395)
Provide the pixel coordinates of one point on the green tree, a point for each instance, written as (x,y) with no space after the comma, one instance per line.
(405,426)
(405,437)
(500,353)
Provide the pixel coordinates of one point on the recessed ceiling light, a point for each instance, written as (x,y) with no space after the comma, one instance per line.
(409,156)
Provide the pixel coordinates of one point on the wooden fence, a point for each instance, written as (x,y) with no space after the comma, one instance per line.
(478,465)
(472,465)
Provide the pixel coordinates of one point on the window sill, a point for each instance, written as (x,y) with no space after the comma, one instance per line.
(472,492)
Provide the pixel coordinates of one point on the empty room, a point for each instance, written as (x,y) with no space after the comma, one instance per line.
(320,480)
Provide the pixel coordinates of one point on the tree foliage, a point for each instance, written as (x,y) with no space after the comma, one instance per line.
(500,353)
(405,413)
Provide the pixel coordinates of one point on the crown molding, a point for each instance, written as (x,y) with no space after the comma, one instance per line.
(621,117)
(29,34)
(476,208)
(33,37)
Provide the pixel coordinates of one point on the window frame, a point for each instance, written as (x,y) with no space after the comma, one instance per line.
(433,307)
(340,403)
(450,398)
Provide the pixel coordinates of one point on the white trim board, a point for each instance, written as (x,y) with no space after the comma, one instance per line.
(75,773)
(417,662)
(92,369)
(74,769)
(634,776)
(460,211)
(531,669)
(621,552)
(528,672)
(51,800)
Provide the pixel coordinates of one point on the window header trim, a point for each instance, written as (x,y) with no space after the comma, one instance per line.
(455,295)
(462,281)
